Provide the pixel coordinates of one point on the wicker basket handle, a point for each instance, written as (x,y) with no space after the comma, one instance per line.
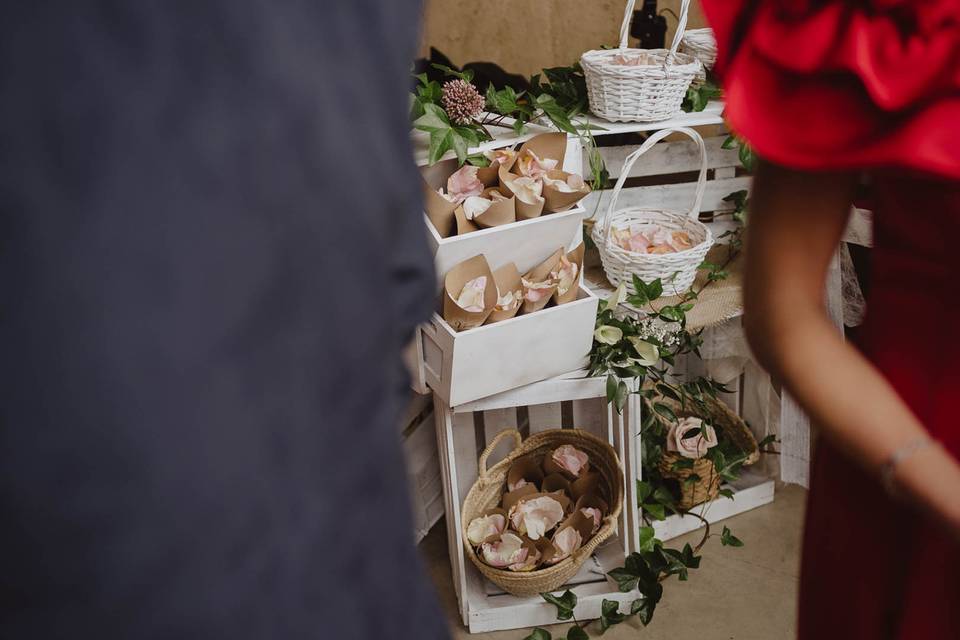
(633,157)
(506,433)
(677,36)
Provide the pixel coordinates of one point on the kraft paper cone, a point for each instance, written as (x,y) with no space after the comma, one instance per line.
(578,521)
(526,468)
(499,213)
(556,200)
(456,316)
(525,210)
(546,549)
(541,273)
(489,175)
(464,225)
(555,482)
(438,209)
(511,498)
(547,145)
(576,257)
(549,466)
(592,500)
(587,483)
(507,278)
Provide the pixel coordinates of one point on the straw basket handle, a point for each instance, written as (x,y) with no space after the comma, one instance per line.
(677,36)
(506,433)
(633,157)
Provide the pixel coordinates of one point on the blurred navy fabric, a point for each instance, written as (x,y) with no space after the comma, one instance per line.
(210,255)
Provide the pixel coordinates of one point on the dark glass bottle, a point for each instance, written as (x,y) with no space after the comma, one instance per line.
(649,28)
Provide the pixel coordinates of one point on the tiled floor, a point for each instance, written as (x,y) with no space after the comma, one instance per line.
(747,593)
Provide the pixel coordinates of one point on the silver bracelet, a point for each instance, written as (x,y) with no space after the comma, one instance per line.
(889,467)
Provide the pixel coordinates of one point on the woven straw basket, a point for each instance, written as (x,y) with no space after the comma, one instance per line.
(675,270)
(729,426)
(643,93)
(702,45)
(488,489)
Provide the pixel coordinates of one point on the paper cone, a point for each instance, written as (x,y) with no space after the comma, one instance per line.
(456,316)
(513,497)
(464,225)
(541,273)
(507,278)
(532,551)
(578,521)
(546,549)
(547,145)
(592,500)
(525,468)
(588,482)
(555,482)
(501,212)
(488,175)
(556,200)
(525,210)
(576,257)
(439,210)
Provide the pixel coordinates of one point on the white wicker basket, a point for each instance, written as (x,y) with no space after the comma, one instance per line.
(675,270)
(702,45)
(643,93)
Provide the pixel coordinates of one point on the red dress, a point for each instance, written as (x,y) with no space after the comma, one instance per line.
(871,84)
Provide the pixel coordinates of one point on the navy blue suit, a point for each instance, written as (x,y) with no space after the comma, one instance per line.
(210,256)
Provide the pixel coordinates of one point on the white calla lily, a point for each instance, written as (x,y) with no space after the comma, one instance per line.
(648,354)
(607,334)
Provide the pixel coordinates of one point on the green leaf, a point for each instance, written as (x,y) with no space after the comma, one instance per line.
(626,580)
(747,158)
(460,146)
(556,113)
(539,634)
(729,540)
(665,411)
(565,603)
(730,142)
(667,390)
(648,539)
(726,493)
(767,440)
(434,118)
(610,614)
(576,632)
(441,141)
(656,511)
(643,490)
(612,386)
(655,289)
(622,394)
(463,75)
(644,609)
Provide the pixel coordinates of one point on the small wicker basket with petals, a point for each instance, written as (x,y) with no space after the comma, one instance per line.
(644,92)
(702,45)
(487,491)
(729,426)
(675,270)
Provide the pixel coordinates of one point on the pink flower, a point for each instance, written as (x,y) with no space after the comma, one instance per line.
(535,517)
(691,438)
(526,561)
(463,183)
(531,165)
(570,459)
(566,541)
(504,552)
(594,514)
(483,527)
(471,296)
(566,275)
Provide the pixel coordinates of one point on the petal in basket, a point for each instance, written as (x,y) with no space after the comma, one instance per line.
(559,537)
(666,232)
(639,85)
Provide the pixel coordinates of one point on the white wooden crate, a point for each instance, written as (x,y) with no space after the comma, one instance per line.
(463,432)
(423,467)
(525,242)
(462,366)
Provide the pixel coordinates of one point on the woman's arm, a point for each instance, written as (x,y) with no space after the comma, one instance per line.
(796,222)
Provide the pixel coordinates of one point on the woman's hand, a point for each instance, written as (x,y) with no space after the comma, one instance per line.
(796,223)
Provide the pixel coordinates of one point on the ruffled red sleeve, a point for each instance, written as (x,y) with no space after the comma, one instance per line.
(833,84)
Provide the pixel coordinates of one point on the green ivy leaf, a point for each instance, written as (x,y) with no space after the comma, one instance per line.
(565,603)
(726,493)
(539,634)
(643,490)
(648,539)
(610,614)
(656,511)
(466,74)
(730,142)
(434,118)
(577,633)
(626,580)
(556,113)
(729,540)
(644,609)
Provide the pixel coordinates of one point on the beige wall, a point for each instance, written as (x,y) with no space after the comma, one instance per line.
(524,36)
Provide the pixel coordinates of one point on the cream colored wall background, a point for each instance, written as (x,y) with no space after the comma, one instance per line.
(524,36)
